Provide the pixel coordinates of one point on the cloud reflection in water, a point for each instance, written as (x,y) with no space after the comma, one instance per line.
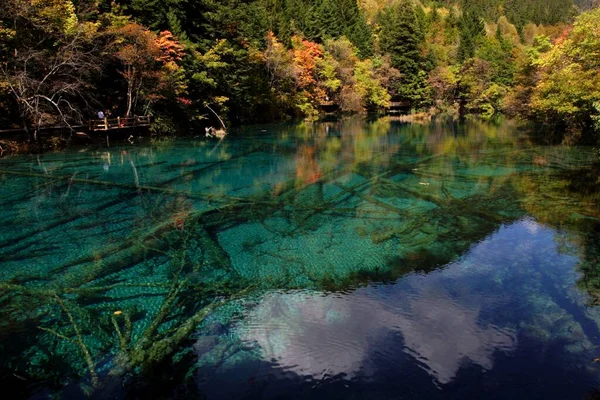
(327,335)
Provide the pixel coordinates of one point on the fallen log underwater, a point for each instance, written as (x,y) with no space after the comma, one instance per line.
(84,276)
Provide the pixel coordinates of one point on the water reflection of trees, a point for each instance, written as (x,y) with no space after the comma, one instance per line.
(325,206)
(478,175)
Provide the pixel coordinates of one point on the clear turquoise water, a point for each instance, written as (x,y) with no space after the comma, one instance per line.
(341,260)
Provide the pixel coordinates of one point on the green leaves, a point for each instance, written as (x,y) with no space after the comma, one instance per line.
(369,50)
(471,30)
(568,88)
(369,87)
(401,36)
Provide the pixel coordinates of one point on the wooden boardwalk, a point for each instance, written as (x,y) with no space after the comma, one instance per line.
(108,124)
(95,125)
(398,107)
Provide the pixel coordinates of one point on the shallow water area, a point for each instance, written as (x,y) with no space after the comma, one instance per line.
(346,260)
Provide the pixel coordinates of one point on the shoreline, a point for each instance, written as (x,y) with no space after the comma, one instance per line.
(60,138)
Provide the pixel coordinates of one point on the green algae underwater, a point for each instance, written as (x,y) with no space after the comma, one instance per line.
(350,259)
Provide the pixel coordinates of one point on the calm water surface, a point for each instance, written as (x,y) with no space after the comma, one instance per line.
(342,260)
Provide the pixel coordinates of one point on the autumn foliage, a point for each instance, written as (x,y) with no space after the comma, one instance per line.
(309,75)
(149,63)
(259,60)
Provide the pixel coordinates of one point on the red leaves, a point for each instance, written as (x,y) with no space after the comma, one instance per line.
(305,56)
(137,44)
(184,101)
(563,36)
(307,167)
(150,63)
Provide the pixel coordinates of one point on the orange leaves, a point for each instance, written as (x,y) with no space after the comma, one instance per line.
(307,167)
(151,64)
(170,48)
(271,37)
(305,56)
(137,44)
(563,36)
(300,62)
(295,71)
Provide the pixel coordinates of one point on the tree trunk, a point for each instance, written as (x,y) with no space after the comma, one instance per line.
(129,100)
(130,83)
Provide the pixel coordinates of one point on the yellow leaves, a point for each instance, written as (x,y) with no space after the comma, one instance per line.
(255,55)
(115,19)
(89,29)
(6,33)
(4,87)
(220,100)
(171,66)
(213,57)
(443,78)
(369,88)
(587,24)
(309,75)
(569,73)
(278,61)
(327,72)
(342,50)
(508,31)
(6,37)
(118,312)
(55,15)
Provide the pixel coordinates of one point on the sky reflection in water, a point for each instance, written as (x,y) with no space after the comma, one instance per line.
(438,315)
(386,261)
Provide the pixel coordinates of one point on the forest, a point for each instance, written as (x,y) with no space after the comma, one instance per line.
(453,257)
(62,61)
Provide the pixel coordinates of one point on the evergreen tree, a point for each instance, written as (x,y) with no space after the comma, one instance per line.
(343,17)
(330,19)
(348,12)
(401,37)
(361,36)
(471,29)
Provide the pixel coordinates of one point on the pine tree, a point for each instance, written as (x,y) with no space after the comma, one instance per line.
(361,36)
(330,19)
(401,37)
(311,28)
(471,29)
(348,12)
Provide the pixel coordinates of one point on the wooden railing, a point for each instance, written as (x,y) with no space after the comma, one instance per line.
(118,123)
(399,104)
(328,103)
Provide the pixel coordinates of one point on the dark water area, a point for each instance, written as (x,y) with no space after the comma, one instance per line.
(341,260)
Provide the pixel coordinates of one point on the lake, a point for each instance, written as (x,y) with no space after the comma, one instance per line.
(340,260)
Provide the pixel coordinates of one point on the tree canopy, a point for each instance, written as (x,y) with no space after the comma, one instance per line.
(261,60)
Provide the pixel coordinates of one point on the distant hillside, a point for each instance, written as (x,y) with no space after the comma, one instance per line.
(518,12)
(584,5)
